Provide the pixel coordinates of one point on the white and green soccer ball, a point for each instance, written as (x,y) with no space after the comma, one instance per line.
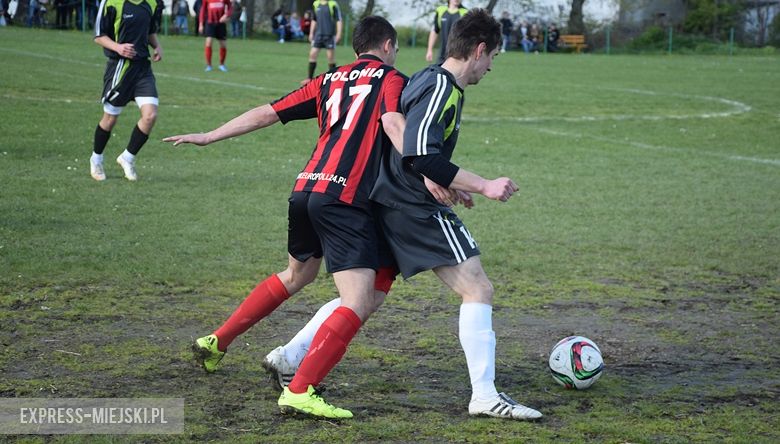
(576,363)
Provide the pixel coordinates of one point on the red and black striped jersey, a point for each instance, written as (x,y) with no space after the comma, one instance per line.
(213,10)
(348,102)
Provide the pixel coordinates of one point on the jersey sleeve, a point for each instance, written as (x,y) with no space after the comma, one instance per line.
(391,99)
(336,13)
(425,123)
(105,19)
(299,104)
(436,27)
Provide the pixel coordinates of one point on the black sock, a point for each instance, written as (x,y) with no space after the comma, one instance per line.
(137,140)
(312,67)
(101,140)
(331,65)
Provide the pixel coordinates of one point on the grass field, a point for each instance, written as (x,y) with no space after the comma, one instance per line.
(648,220)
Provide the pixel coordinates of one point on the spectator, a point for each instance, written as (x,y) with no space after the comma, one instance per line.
(181,13)
(525,39)
(306,23)
(535,36)
(296,32)
(60,7)
(278,23)
(552,38)
(506,30)
(235,18)
(32,13)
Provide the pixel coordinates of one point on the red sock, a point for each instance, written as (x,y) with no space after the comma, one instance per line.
(328,346)
(208,55)
(264,299)
(222,55)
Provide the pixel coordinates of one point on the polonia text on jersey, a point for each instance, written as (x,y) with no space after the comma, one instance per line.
(353,75)
(335,178)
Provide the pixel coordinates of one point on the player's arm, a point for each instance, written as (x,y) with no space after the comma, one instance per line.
(228,10)
(312,27)
(424,139)
(154,42)
(339,25)
(252,120)
(432,37)
(106,17)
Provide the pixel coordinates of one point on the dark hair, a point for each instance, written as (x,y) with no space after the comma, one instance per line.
(371,33)
(475,27)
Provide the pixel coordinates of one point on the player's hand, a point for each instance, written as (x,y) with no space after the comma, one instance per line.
(429,56)
(500,189)
(158,54)
(224,19)
(125,50)
(442,195)
(200,139)
(465,198)
(338,38)
(200,29)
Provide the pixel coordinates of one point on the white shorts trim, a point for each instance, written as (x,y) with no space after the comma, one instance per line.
(141,101)
(111,109)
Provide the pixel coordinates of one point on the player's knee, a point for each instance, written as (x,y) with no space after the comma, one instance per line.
(149,117)
(480,291)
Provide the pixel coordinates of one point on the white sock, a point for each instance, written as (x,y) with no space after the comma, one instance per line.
(128,156)
(96,158)
(479,344)
(296,349)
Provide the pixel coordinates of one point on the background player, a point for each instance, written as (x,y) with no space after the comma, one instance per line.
(325,32)
(125,30)
(329,213)
(212,22)
(443,20)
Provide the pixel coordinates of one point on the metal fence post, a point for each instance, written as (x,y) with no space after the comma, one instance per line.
(609,37)
(83,15)
(670,40)
(731,41)
(545,40)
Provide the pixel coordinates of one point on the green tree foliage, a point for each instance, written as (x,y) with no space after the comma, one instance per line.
(712,17)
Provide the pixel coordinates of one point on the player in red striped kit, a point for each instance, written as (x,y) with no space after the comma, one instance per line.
(330,216)
(212,22)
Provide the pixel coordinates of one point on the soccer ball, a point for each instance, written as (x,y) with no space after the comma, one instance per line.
(575,362)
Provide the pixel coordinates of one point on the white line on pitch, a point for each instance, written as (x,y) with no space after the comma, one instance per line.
(157,74)
(775,162)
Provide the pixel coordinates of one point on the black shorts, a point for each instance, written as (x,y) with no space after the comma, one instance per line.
(324,41)
(421,244)
(346,235)
(125,79)
(215,30)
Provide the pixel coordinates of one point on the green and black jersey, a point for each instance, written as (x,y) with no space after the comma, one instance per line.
(129,21)
(432,104)
(443,20)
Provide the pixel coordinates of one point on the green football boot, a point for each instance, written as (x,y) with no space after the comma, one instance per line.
(310,403)
(206,353)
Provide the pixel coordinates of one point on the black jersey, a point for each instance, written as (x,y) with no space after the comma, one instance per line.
(432,104)
(349,102)
(129,21)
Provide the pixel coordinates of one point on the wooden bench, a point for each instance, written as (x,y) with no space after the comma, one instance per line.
(576,41)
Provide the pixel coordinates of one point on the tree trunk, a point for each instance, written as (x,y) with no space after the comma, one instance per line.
(491,4)
(369,9)
(576,25)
